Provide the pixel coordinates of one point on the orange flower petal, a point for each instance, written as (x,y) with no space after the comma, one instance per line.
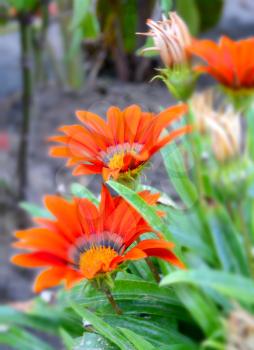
(155,243)
(160,249)
(93,122)
(226,61)
(49,278)
(86,169)
(60,151)
(66,214)
(116,124)
(169,138)
(117,146)
(132,117)
(133,254)
(37,259)
(82,234)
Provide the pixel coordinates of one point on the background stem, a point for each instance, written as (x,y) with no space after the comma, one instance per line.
(26,107)
(40,45)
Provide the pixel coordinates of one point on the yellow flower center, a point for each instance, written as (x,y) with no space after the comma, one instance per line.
(96,260)
(116,162)
(113,156)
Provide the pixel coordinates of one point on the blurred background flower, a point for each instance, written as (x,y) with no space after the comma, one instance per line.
(226,134)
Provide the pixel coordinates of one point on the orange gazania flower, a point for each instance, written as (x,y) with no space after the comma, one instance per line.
(229,62)
(120,146)
(84,241)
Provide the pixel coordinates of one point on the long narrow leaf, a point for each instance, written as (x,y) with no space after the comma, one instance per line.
(231,285)
(103,328)
(81,191)
(147,211)
(20,339)
(93,341)
(227,241)
(139,342)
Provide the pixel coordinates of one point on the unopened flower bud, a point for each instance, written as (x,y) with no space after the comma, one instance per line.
(226,135)
(171,38)
(202,108)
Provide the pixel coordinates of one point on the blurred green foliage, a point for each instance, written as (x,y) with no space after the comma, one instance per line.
(200,15)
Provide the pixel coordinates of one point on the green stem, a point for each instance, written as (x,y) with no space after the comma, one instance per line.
(40,41)
(246,239)
(195,147)
(112,301)
(153,269)
(74,76)
(195,144)
(26,106)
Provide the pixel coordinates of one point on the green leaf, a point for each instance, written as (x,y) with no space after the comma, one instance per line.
(148,212)
(250,130)
(90,26)
(103,328)
(93,341)
(141,269)
(67,339)
(164,198)
(21,339)
(84,24)
(178,174)
(148,310)
(35,211)
(156,330)
(133,295)
(176,170)
(81,191)
(24,5)
(188,232)
(230,251)
(214,8)
(75,44)
(166,6)
(54,316)
(139,342)
(10,316)
(228,284)
(128,20)
(201,307)
(80,9)
(148,43)
(188,10)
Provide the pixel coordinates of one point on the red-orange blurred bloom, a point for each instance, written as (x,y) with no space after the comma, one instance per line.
(120,146)
(230,62)
(85,241)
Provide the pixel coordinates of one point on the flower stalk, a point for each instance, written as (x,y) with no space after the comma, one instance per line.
(153,269)
(111,300)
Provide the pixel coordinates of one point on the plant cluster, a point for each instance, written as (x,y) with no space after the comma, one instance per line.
(144,269)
